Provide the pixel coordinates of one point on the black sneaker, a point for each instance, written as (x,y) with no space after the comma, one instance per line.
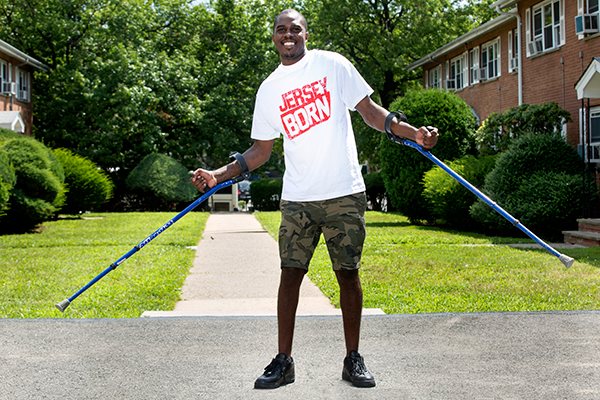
(279,372)
(355,371)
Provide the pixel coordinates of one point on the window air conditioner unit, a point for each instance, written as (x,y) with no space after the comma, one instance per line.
(483,74)
(586,23)
(450,84)
(9,88)
(514,63)
(536,47)
(594,152)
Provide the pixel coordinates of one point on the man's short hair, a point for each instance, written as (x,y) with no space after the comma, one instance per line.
(291,11)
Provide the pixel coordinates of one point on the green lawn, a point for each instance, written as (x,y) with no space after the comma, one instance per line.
(406,268)
(38,270)
(416,269)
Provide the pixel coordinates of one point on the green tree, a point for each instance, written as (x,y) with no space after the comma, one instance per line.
(381,37)
(130,78)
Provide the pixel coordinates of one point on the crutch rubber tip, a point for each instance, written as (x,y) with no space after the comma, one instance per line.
(568,261)
(62,306)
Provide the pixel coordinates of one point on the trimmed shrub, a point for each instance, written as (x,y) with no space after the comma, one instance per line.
(6,135)
(500,130)
(160,182)
(89,187)
(8,180)
(449,199)
(39,191)
(539,180)
(403,167)
(266,194)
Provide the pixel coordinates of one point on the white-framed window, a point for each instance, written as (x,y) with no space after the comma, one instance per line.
(458,73)
(434,79)
(474,66)
(513,51)
(23,85)
(490,60)
(586,21)
(4,76)
(545,26)
(594,134)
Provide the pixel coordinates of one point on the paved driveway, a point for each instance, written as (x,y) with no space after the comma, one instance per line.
(447,356)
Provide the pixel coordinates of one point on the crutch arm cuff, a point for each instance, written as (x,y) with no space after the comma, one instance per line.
(242,163)
(390,117)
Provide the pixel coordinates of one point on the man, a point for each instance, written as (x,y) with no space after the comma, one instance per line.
(307,99)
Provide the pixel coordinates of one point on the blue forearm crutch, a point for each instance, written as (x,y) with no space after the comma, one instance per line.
(62,306)
(566,260)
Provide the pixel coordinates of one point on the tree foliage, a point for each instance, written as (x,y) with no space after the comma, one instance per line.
(381,37)
(130,78)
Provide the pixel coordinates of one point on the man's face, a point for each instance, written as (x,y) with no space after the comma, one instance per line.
(290,38)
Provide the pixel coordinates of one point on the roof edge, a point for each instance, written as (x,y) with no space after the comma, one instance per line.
(19,55)
(459,41)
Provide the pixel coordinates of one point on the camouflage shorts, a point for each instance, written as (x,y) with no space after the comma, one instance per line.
(342,222)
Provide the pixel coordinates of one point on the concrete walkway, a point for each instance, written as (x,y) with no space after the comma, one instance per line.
(236,273)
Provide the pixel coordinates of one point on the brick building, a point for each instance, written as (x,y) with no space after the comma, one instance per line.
(534,52)
(16,78)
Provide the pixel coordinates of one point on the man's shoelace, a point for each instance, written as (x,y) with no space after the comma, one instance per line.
(357,367)
(273,366)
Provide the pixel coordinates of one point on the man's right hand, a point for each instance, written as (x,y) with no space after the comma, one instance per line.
(202,178)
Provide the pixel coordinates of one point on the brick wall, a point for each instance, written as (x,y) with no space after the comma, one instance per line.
(549,77)
(11,103)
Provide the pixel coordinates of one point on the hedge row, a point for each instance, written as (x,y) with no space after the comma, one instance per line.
(35,184)
(536,177)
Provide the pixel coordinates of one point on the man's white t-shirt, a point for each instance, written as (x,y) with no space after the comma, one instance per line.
(309,102)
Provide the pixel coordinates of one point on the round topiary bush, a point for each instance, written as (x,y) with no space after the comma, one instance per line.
(39,191)
(449,199)
(88,186)
(539,180)
(265,194)
(403,167)
(160,182)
